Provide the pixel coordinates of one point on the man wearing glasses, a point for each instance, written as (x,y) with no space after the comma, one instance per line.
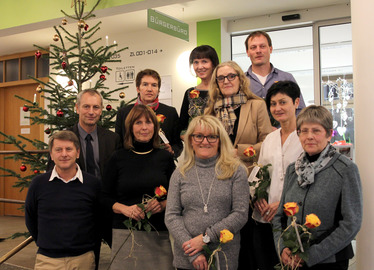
(262,73)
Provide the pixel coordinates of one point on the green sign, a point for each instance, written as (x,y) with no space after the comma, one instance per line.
(167,25)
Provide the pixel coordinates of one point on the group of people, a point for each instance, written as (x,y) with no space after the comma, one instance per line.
(99,181)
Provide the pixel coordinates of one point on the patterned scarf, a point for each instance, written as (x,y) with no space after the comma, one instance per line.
(306,170)
(224,109)
(154,105)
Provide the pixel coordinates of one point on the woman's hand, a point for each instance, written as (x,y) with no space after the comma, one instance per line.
(292,260)
(200,263)
(133,211)
(261,206)
(194,245)
(271,211)
(154,206)
(168,148)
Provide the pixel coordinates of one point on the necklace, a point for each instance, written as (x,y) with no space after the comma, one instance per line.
(201,191)
(142,153)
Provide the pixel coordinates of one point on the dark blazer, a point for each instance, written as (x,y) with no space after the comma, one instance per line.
(170,126)
(109,142)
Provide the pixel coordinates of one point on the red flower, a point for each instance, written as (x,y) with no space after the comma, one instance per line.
(312,221)
(250,152)
(194,93)
(160,192)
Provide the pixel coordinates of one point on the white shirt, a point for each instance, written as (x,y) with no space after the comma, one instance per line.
(78,175)
(279,157)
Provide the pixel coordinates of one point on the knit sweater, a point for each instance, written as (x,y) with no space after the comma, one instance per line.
(227,209)
(131,175)
(336,198)
(62,217)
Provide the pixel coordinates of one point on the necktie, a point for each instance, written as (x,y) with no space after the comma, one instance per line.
(90,159)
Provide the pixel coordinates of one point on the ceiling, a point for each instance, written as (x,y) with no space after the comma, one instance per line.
(133,17)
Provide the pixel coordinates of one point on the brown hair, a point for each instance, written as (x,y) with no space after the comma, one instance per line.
(257,34)
(147,72)
(135,113)
(64,135)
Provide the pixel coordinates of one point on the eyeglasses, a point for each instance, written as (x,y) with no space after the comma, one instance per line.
(305,132)
(199,138)
(230,77)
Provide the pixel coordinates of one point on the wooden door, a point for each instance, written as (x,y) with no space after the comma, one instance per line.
(10,124)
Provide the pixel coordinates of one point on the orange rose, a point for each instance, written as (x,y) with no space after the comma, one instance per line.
(250,152)
(194,93)
(160,191)
(225,236)
(290,209)
(312,221)
(160,118)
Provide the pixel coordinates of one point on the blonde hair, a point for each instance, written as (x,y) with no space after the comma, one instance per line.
(215,92)
(227,163)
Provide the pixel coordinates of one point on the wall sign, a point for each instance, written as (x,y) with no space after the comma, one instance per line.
(168,25)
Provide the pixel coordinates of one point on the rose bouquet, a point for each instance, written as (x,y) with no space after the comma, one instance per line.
(225,237)
(297,237)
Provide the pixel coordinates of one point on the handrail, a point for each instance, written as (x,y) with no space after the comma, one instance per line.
(11,201)
(15,250)
(9,152)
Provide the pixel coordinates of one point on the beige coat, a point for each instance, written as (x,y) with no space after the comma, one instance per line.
(254,125)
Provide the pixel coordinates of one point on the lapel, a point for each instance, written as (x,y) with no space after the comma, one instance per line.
(80,160)
(100,138)
(245,110)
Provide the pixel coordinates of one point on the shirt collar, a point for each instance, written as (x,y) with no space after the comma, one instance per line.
(83,133)
(78,175)
(273,69)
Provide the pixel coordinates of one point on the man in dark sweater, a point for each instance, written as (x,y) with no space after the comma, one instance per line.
(62,209)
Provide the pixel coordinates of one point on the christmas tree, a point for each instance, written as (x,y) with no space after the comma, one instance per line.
(78,57)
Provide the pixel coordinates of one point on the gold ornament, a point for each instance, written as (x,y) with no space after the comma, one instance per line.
(81,24)
(39,89)
(56,38)
(64,21)
(122,95)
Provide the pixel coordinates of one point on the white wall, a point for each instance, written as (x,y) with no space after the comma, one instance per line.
(141,54)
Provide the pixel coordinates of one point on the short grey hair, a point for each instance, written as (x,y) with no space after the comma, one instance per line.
(90,91)
(315,114)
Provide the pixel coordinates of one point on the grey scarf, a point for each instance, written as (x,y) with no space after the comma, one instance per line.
(306,169)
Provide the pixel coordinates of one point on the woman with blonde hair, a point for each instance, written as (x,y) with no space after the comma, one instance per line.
(242,113)
(207,193)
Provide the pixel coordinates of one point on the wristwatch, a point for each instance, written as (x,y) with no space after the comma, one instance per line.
(206,239)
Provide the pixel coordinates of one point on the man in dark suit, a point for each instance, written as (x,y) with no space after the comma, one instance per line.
(104,142)
(148,83)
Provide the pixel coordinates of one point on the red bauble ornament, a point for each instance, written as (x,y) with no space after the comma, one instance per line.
(25,108)
(86,27)
(60,113)
(36,171)
(23,168)
(70,83)
(108,107)
(102,77)
(47,131)
(63,65)
(104,69)
(38,54)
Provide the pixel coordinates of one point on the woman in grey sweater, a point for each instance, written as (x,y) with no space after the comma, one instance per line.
(327,184)
(207,193)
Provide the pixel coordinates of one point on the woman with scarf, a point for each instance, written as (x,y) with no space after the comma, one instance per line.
(246,120)
(148,83)
(242,113)
(327,184)
(203,60)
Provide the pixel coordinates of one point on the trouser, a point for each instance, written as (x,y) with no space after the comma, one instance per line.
(85,261)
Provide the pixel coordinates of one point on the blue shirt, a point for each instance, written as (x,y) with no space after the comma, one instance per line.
(275,75)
